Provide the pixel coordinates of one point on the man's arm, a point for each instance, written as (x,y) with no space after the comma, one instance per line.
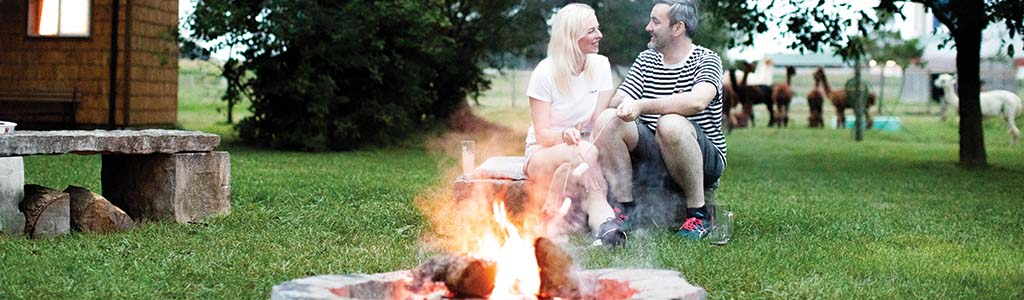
(686,104)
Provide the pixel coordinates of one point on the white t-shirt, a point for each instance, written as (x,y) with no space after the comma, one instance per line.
(579,104)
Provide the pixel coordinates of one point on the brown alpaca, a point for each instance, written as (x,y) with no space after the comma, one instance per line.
(751,95)
(814,101)
(729,101)
(782,95)
(840,101)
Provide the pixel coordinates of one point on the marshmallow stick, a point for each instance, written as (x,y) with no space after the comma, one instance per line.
(583,167)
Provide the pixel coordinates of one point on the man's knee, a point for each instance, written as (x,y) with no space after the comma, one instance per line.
(673,128)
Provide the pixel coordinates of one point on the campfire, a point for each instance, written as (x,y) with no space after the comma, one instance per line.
(496,250)
(513,265)
(506,262)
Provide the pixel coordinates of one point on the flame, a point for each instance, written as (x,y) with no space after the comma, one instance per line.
(518,272)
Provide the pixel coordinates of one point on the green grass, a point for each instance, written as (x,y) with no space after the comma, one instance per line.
(817,216)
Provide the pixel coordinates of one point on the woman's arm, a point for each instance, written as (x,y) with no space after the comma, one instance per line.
(540,112)
(604,99)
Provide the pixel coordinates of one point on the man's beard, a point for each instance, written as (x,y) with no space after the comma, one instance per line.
(656,44)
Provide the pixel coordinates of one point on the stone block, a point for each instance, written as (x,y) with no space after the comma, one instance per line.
(90,212)
(12,191)
(47,211)
(497,178)
(183,187)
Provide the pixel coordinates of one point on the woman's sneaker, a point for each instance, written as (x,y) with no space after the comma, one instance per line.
(696,226)
(610,234)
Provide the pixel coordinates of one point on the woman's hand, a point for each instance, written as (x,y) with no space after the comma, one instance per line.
(571,136)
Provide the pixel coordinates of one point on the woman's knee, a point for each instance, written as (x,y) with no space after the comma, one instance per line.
(588,152)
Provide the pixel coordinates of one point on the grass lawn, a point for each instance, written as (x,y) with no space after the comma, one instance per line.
(817,216)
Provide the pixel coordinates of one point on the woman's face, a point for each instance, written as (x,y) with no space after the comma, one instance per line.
(591,40)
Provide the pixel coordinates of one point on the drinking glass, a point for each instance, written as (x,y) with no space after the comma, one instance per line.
(722,229)
(468,158)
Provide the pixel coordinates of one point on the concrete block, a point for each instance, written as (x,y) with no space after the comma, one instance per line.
(183,187)
(12,190)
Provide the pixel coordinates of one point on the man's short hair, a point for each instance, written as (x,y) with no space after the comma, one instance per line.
(686,11)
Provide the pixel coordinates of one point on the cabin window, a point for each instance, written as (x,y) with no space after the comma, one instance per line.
(59,18)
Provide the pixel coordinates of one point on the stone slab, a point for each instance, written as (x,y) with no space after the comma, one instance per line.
(648,283)
(499,177)
(23,143)
(12,190)
(183,187)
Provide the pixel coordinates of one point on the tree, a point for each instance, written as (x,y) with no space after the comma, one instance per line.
(333,74)
(816,27)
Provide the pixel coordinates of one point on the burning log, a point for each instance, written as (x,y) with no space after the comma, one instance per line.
(463,276)
(557,273)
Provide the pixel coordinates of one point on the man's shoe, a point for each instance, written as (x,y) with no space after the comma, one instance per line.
(695,227)
(610,234)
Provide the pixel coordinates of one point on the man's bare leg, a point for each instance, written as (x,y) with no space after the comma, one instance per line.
(615,142)
(677,139)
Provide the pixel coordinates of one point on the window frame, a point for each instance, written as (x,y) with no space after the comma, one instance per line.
(33,6)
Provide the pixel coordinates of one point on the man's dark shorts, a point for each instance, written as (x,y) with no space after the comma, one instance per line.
(649,170)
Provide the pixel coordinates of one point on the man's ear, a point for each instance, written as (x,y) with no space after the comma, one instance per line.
(678,29)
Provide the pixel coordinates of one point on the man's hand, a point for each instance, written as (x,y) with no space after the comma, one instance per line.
(628,111)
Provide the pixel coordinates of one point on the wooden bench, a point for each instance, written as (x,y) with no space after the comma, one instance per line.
(53,107)
(150,174)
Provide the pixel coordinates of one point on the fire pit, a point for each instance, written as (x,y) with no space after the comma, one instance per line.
(600,284)
(501,259)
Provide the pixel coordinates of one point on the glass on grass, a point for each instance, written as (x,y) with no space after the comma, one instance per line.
(722,225)
(468,158)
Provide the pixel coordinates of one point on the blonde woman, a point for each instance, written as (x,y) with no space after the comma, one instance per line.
(565,89)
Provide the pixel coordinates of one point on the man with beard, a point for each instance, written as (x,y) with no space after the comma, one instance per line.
(667,120)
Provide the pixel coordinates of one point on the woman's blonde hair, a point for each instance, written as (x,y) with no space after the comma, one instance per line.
(567,29)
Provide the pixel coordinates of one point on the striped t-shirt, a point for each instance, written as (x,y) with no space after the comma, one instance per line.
(650,78)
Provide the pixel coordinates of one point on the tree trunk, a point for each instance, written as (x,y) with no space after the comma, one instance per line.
(857,97)
(968,49)
(903,82)
(881,91)
(231,109)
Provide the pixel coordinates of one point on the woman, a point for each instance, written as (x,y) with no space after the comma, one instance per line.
(565,90)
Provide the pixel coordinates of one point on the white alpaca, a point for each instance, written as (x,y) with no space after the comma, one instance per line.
(993,103)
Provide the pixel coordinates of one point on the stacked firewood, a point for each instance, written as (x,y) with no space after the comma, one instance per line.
(469,277)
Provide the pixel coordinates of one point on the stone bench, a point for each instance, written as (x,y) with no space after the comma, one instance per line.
(499,177)
(502,177)
(150,174)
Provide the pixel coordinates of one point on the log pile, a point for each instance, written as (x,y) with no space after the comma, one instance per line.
(469,277)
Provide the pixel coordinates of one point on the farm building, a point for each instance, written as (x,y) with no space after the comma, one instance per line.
(70,64)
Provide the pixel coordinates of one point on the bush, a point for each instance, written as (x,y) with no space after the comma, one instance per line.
(343,74)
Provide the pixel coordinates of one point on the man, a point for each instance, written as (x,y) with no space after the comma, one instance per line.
(668,117)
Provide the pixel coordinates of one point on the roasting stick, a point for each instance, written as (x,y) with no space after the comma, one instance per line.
(583,166)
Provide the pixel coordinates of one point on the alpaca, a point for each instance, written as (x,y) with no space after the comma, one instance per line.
(993,103)
(840,102)
(751,95)
(814,101)
(782,95)
(729,101)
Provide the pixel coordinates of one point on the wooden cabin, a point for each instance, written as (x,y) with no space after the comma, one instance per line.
(62,65)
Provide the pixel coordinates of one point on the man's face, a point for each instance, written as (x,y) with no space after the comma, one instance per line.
(660,27)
